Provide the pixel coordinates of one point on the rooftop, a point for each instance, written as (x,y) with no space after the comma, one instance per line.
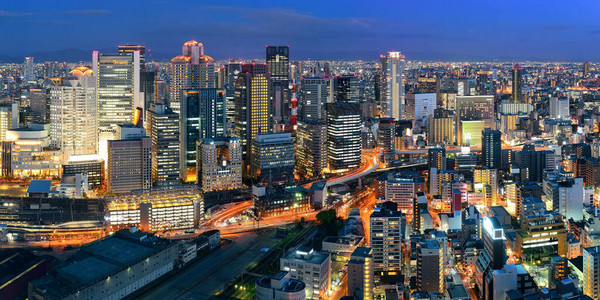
(39,186)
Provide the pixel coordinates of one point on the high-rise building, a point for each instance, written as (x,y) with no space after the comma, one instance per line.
(591,277)
(430,268)
(313,99)
(493,256)
(427,85)
(420,107)
(117,90)
(230,73)
(360,273)
(343,136)
(586,69)
(73,123)
(129,165)
(273,158)
(345,88)
(386,239)
(190,70)
(517,84)
(9,118)
(440,131)
(393,65)
(535,161)
(278,65)
(565,196)
(252,108)
(28,69)
(386,138)
(436,158)
(485,181)
(491,148)
(163,128)
(202,117)
(473,108)
(39,102)
(559,108)
(219,163)
(311,149)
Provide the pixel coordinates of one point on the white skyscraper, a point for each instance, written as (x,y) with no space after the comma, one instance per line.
(392,66)
(73,114)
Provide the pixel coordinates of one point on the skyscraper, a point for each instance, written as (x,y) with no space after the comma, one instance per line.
(591,277)
(230,73)
(73,123)
(311,145)
(190,70)
(252,107)
(163,128)
(430,266)
(343,136)
(219,163)
(436,158)
(9,118)
(491,148)
(117,90)
(202,117)
(314,97)
(129,165)
(517,84)
(392,67)
(386,138)
(273,158)
(386,239)
(473,108)
(346,88)
(278,65)
(28,69)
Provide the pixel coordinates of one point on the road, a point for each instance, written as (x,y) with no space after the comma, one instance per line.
(206,276)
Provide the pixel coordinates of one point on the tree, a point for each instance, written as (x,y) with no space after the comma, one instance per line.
(326,217)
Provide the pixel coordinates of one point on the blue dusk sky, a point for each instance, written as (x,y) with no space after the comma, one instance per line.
(323,29)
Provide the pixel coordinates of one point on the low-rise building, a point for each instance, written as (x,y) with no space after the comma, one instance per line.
(280,287)
(311,267)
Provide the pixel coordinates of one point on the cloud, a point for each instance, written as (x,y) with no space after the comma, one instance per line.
(88,12)
(8,14)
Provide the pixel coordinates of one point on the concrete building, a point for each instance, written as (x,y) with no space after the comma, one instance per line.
(280,287)
(9,118)
(360,273)
(219,164)
(473,108)
(541,235)
(109,268)
(559,108)
(314,97)
(485,182)
(343,136)
(163,128)
(345,88)
(27,152)
(156,209)
(386,139)
(491,148)
(440,131)
(420,107)
(430,268)
(311,267)
(311,149)
(129,165)
(386,239)
(73,114)
(273,158)
(591,277)
(91,166)
(278,64)
(276,200)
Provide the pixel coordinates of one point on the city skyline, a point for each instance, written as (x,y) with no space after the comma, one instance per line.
(315,30)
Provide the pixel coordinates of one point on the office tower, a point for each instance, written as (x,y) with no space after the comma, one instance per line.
(28,69)
(39,102)
(491,148)
(485,83)
(420,107)
(493,256)
(386,139)
(219,164)
(401,190)
(393,65)
(129,165)
(202,117)
(565,196)
(473,108)
(386,239)
(430,268)
(559,108)
(273,158)
(345,88)
(313,99)
(471,132)
(486,183)
(190,70)
(252,108)
(591,277)
(91,166)
(279,286)
(311,145)
(360,273)
(9,118)
(586,69)
(461,86)
(440,131)
(436,158)
(535,161)
(278,65)
(146,92)
(129,132)
(427,85)
(230,73)
(318,280)
(131,49)
(163,128)
(517,84)
(73,123)
(117,96)
(343,136)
